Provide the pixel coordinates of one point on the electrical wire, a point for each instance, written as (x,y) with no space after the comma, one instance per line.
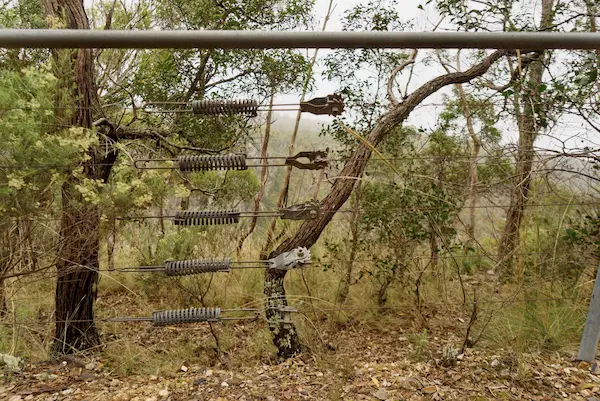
(550,155)
(330,211)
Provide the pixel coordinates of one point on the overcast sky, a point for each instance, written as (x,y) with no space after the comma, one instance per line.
(423,20)
(424,116)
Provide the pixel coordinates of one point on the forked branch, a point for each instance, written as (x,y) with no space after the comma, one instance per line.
(395,72)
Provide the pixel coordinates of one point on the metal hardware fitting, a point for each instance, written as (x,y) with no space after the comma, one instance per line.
(305,211)
(205,217)
(196,266)
(332,105)
(317,160)
(296,258)
(286,316)
(190,315)
(233,161)
(214,107)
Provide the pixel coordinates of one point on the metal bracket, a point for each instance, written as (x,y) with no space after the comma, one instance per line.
(305,211)
(299,257)
(286,313)
(317,160)
(332,105)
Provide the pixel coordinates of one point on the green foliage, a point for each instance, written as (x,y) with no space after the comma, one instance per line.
(584,233)
(362,73)
(27,143)
(225,190)
(407,210)
(22,14)
(496,167)
(483,114)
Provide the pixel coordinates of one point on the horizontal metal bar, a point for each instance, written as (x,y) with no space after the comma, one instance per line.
(67,38)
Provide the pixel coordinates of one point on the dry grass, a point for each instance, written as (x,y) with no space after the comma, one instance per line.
(445,303)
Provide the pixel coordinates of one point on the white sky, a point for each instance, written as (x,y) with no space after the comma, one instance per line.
(425,115)
(424,20)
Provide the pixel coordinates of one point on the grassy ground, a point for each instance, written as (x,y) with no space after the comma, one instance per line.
(414,347)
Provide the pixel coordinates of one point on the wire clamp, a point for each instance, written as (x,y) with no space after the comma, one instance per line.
(317,160)
(297,258)
(285,319)
(306,211)
(332,105)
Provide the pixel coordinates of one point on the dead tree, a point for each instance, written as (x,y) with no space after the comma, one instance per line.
(284,334)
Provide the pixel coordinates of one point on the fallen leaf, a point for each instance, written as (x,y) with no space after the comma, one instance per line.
(429,389)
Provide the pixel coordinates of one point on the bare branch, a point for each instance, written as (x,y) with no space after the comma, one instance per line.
(395,72)
(516,74)
(222,81)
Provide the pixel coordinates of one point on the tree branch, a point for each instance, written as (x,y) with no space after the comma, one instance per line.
(516,74)
(395,72)
(311,230)
(225,80)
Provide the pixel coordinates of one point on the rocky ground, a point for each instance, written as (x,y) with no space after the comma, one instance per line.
(379,366)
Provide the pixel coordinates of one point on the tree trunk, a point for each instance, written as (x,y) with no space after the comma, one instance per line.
(473,194)
(110,242)
(434,249)
(354,224)
(77,264)
(3,306)
(382,291)
(31,251)
(264,174)
(475,149)
(284,335)
(529,128)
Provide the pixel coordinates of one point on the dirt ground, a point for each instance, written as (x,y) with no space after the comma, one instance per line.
(360,364)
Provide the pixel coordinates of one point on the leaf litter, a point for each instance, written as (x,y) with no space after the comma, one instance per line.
(366,365)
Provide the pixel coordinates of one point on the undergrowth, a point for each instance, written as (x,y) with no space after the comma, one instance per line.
(519,316)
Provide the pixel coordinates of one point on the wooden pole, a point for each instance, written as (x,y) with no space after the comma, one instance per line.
(591,332)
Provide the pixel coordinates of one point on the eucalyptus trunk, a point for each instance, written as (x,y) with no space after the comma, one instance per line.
(349,264)
(529,110)
(77,265)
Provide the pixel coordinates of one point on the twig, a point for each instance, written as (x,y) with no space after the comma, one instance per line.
(395,72)
(472,321)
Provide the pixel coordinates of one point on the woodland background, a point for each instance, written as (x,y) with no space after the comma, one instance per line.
(477,216)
